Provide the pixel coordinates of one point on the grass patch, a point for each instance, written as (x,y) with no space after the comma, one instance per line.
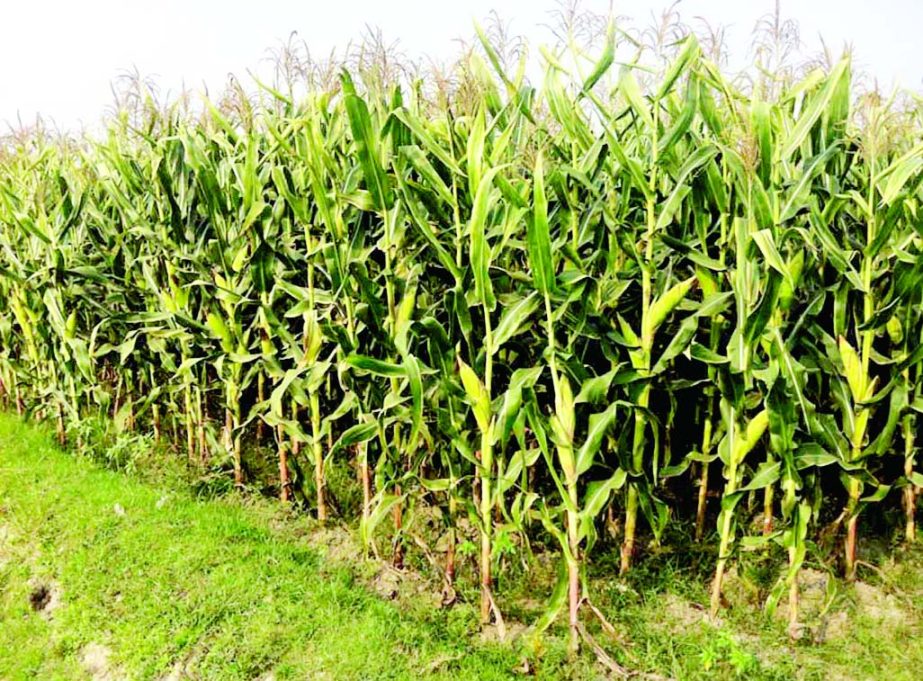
(140,579)
(163,580)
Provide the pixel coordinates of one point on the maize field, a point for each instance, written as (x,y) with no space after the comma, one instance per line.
(632,295)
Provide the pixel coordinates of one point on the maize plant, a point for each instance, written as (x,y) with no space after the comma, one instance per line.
(523,308)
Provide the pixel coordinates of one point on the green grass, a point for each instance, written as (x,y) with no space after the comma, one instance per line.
(175,579)
(232,589)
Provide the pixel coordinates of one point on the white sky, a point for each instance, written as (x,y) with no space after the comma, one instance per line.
(58,57)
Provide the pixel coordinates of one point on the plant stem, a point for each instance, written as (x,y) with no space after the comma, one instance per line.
(910,491)
(486,500)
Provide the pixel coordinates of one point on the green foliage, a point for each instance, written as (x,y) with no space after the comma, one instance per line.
(525,305)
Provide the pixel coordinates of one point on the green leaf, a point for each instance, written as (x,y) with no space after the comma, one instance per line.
(767,245)
(555,602)
(366,140)
(811,454)
(761,115)
(514,320)
(852,369)
(766,475)
(687,54)
(262,266)
(815,107)
(359,433)
(538,236)
(881,491)
(899,172)
(599,425)
(433,180)
(751,436)
(477,395)
(682,122)
(665,304)
(436,484)
(480,249)
(382,504)
(703,354)
(798,197)
(605,59)
(596,389)
(220,331)
(512,399)
(432,146)
(632,93)
(415,380)
(598,493)
(375,366)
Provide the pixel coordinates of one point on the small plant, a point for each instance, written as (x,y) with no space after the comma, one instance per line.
(723,651)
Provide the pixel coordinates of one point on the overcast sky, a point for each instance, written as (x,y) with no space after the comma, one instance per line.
(59,57)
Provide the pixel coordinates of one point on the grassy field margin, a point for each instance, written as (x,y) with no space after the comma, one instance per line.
(145,582)
(107,577)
